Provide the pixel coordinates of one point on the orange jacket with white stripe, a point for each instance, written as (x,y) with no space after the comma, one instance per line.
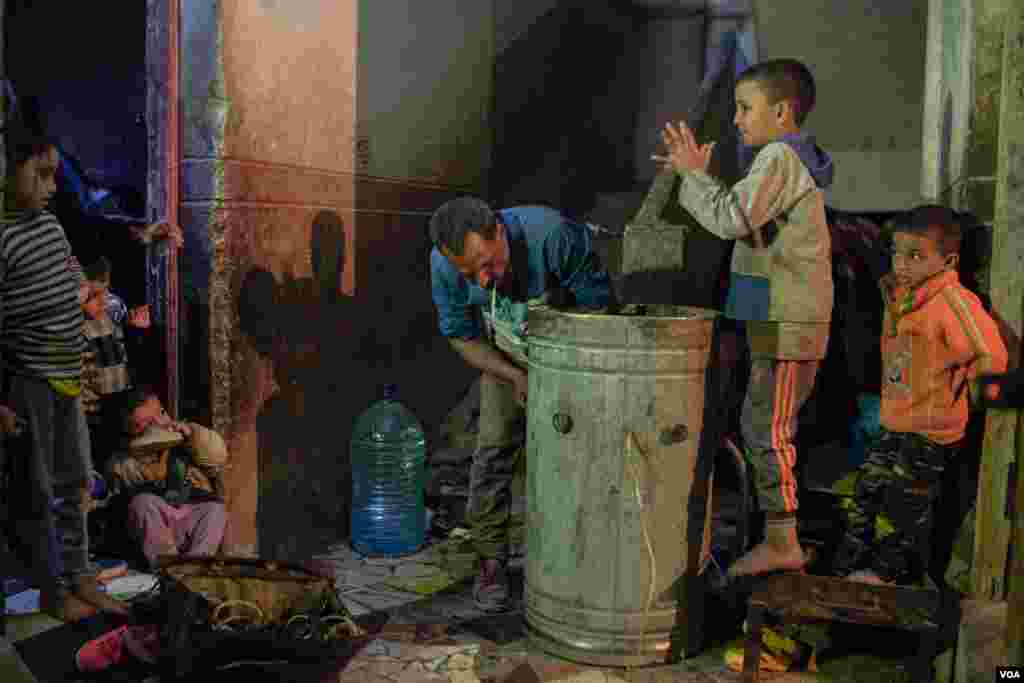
(936,339)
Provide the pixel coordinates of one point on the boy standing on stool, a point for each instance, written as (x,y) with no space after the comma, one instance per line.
(936,341)
(781,279)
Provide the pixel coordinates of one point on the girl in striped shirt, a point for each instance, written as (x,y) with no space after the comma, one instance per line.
(41,346)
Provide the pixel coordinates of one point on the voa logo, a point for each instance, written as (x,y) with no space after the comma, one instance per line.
(1009,674)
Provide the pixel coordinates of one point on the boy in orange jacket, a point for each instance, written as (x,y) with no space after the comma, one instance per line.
(936,341)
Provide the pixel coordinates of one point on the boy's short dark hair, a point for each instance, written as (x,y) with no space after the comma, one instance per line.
(941,223)
(128,402)
(98,269)
(785,79)
(457,218)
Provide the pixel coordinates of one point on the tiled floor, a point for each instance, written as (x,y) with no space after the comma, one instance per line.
(445,638)
(473,646)
(363,584)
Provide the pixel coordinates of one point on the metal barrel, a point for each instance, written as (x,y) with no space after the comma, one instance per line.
(618,506)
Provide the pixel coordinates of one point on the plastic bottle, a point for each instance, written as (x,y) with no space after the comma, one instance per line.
(388,450)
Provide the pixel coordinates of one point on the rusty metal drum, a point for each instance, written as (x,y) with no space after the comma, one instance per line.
(618,501)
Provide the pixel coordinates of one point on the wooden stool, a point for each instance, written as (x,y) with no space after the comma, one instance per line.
(804,597)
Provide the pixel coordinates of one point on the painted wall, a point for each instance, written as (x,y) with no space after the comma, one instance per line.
(868,60)
(306,191)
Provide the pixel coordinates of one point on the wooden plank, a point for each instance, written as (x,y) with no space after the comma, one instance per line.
(162,116)
(1002,434)
(1010,222)
(171,166)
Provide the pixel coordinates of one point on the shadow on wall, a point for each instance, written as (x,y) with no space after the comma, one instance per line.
(331,355)
(304,327)
(401,341)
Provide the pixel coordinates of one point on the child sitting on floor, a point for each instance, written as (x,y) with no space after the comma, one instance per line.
(168,480)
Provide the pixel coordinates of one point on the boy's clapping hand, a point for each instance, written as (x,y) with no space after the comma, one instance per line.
(684,154)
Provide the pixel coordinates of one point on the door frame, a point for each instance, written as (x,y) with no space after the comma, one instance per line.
(163,121)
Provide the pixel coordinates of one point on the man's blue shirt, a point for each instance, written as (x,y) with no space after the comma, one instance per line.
(547,250)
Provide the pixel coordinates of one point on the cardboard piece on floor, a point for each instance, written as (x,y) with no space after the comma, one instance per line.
(25,602)
(130,585)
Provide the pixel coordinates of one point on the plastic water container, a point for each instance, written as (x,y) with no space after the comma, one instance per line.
(389,454)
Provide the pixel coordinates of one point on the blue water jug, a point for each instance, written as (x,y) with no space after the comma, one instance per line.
(389,454)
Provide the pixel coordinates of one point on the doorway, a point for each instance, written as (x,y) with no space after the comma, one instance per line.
(101,80)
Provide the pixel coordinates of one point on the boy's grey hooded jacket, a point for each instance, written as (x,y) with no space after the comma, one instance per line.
(783,289)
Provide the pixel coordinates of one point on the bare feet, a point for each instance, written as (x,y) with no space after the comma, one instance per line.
(764,558)
(868,576)
(88,589)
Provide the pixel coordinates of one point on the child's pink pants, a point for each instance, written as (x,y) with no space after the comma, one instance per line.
(163,529)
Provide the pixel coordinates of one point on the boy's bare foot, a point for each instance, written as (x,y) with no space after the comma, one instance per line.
(765,557)
(87,588)
(868,576)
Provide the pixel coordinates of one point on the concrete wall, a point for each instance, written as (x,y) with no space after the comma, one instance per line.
(292,109)
(868,59)
(987,71)
(422,69)
(947,106)
(662,76)
(561,132)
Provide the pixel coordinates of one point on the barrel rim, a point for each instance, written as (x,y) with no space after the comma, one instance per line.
(702,314)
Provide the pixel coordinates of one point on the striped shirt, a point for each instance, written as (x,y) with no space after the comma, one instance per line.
(105,368)
(41,334)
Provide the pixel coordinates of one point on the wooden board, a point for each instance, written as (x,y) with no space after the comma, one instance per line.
(1010,222)
(1002,433)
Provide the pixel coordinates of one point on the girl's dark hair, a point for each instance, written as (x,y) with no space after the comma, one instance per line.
(24,142)
(127,403)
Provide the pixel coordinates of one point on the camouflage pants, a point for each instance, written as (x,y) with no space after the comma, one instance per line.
(499,452)
(889,517)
